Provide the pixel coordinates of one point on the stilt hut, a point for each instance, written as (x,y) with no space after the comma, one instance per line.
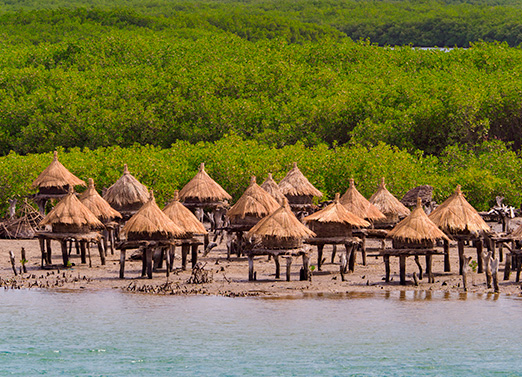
(299,191)
(186,220)
(254,204)
(271,186)
(279,234)
(415,235)
(103,211)
(70,220)
(127,195)
(333,225)
(149,229)
(389,205)
(54,183)
(457,218)
(425,192)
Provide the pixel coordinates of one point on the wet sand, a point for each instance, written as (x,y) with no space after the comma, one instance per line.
(230,277)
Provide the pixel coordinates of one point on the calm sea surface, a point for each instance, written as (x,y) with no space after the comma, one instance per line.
(117,334)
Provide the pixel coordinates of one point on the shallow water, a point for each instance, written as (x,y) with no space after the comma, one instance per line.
(395,334)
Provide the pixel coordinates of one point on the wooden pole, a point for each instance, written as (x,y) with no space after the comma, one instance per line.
(172,254)
(501,252)
(194,257)
(319,256)
(465,269)
(288,266)
(83,252)
(447,264)
(417,262)
(487,264)
(250,267)
(429,272)
(460,245)
(494,274)
(122,263)
(148,253)
(167,262)
(87,244)
(42,250)
(363,250)
(387,268)
(24,261)
(12,258)
(342,267)
(519,268)
(143,261)
(351,261)
(402,269)
(507,266)
(111,234)
(65,255)
(102,251)
(49,251)
(480,246)
(306,267)
(334,251)
(105,244)
(278,266)
(184,251)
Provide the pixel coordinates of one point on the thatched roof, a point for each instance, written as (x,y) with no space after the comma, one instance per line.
(271,186)
(425,192)
(336,213)
(296,184)
(456,215)
(202,188)
(70,211)
(387,203)
(126,191)
(254,202)
(281,224)
(99,206)
(57,175)
(417,227)
(150,220)
(356,203)
(182,216)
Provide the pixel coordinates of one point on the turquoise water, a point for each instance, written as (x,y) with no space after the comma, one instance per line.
(116,334)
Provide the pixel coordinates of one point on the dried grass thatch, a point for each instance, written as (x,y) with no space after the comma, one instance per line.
(270,186)
(457,216)
(203,189)
(182,217)
(71,215)
(150,223)
(255,202)
(388,204)
(417,228)
(99,206)
(281,229)
(335,212)
(425,192)
(356,203)
(127,193)
(296,184)
(57,176)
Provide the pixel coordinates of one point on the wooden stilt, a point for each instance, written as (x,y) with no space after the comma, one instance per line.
(49,251)
(148,253)
(480,246)
(334,251)
(342,267)
(77,244)
(507,266)
(306,267)
(172,255)
(288,266)
(65,256)
(402,269)
(24,261)
(111,234)
(447,264)
(250,267)
(494,274)
(87,244)
(465,270)
(278,266)
(492,246)
(206,241)
(184,252)
(143,261)
(105,245)
(122,263)
(487,264)
(460,245)
(83,250)
(363,249)
(519,268)
(194,257)
(351,261)
(387,268)
(501,252)
(42,250)
(417,262)
(429,264)
(167,263)
(319,256)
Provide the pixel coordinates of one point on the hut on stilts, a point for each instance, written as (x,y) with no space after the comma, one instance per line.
(414,236)
(70,221)
(150,230)
(252,206)
(271,186)
(357,204)
(299,192)
(425,192)
(202,194)
(103,211)
(333,225)
(279,234)
(189,224)
(54,183)
(127,195)
(389,205)
(457,218)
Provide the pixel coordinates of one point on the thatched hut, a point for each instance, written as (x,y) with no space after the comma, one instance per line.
(182,217)
(271,186)
(203,191)
(54,183)
(357,204)
(425,192)
(298,190)
(254,204)
(97,205)
(389,205)
(127,195)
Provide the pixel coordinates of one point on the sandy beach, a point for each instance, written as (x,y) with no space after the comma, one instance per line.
(230,277)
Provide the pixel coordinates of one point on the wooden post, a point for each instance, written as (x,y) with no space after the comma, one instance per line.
(480,246)
(148,253)
(465,269)
(42,250)
(205,241)
(102,251)
(492,245)
(306,267)
(429,272)
(83,252)
(278,266)
(288,266)
(487,264)
(250,267)
(172,255)
(49,251)
(87,244)
(417,262)
(351,261)
(111,234)
(194,258)
(24,261)
(447,264)
(12,258)
(387,268)
(519,267)
(143,261)
(363,250)
(402,269)
(507,266)
(342,267)
(65,255)
(167,262)
(122,263)
(334,251)
(460,245)
(105,245)
(501,252)
(184,251)
(494,274)
(319,256)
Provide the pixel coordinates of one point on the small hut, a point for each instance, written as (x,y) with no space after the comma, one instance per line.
(271,186)
(280,233)
(202,191)
(425,192)
(71,220)
(102,210)
(127,195)
(357,204)
(298,190)
(459,219)
(54,183)
(149,229)
(389,205)
(333,225)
